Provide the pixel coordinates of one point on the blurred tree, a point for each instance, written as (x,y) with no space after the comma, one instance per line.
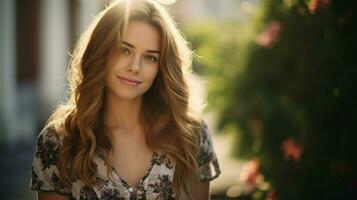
(286,85)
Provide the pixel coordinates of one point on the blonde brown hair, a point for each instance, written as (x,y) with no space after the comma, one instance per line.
(173,126)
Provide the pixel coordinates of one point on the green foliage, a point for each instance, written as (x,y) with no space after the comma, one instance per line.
(219,57)
(299,87)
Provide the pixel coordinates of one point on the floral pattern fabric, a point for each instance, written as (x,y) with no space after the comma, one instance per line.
(155,185)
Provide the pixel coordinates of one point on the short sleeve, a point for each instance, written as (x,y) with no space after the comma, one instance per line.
(45,165)
(207,159)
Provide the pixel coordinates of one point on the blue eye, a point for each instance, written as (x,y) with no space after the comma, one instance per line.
(151,58)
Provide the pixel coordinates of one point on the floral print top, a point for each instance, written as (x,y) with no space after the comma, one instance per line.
(155,185)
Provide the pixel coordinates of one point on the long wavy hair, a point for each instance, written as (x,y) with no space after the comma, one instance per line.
(173,126)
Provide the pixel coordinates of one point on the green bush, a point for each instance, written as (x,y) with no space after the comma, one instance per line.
(287,84)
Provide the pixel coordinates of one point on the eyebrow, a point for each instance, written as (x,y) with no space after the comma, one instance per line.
(132,46)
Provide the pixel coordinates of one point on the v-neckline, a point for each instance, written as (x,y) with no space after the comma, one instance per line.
(125,183)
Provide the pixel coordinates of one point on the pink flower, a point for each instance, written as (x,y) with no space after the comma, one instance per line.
(270,34)
(314,5)
(291,149)
(272,195)
(249,174)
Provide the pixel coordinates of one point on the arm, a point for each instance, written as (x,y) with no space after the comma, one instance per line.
(51,196)
(203,190)
(208,165)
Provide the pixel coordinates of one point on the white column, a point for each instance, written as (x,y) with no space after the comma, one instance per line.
(54,48)
(8,100)
(87,10)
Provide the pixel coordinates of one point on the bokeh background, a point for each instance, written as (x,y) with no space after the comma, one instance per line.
(279,79)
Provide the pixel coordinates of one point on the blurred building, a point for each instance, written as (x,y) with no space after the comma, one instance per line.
(36,38)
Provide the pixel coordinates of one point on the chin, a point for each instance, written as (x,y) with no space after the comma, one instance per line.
(129,96)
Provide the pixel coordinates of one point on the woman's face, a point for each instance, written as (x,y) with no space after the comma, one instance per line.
(131,70)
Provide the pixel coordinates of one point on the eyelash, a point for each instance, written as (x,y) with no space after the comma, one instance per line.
(151,58)
(126,51)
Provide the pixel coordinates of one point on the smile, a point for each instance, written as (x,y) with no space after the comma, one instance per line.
(129,81)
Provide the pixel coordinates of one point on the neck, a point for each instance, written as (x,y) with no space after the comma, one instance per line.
(122,114)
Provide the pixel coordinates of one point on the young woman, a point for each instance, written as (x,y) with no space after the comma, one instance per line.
(127,129)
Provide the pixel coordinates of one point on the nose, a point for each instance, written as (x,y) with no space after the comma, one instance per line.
(134,65)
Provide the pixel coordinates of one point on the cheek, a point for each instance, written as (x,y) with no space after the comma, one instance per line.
(115,63)
(122,61)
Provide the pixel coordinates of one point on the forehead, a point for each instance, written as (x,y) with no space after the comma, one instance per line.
(142,35)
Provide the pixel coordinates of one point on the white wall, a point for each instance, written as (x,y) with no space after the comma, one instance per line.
(8,100)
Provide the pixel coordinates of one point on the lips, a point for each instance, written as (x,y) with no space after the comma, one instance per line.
(129,81)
